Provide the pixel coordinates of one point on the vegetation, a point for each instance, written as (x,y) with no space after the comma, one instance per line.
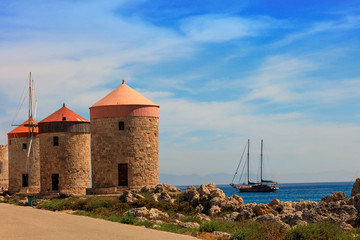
(113,209)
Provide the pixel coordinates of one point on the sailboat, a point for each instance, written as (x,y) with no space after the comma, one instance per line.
(263,185)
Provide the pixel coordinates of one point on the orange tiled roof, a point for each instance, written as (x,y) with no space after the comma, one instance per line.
(124,95)
(23,131)
(64,114)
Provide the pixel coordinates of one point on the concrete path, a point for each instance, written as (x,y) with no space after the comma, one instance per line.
(26,223)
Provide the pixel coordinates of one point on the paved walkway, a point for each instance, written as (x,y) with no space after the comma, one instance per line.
(26,223)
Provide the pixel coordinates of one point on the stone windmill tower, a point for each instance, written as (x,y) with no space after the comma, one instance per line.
(24,159)
(124,141)
(65,153)
(4,167)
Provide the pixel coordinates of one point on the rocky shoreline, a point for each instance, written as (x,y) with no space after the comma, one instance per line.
(211,202)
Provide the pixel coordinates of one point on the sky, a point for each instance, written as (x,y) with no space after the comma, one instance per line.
(222,72)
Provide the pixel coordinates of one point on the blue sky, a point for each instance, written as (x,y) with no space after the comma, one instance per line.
(222,71)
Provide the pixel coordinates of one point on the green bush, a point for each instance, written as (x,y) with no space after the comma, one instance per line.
(317,231)
(55,205)
(211,226)
(241,234)
(128,219)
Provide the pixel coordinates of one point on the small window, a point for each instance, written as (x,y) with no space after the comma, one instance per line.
(24,146)
(25,180)
(64,118)
(56,141)
(121,126)
(9,142)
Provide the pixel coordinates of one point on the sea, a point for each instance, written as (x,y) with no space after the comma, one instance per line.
(289,191)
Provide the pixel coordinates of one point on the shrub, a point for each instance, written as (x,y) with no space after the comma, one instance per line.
(211,226)
(128,219)
(323,230)
(241,234)
(55,205)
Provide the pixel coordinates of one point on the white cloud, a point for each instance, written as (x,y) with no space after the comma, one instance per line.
(218,28)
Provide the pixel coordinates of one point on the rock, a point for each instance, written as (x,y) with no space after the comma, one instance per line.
(355,201)
(231,216)
(274,202)
(245,212)
(155,197)
(190,193)
(214,211)
(356,187)
(311,216)
(211,186)
(217,193)
(199,208)
(138,212)
(195,200)
(203,190)
(271,218)
(231,203)
(141,219)
(147,189)
(302,205)
(263,209)
(129,196)
(188,224)
(162,188)
(293,218)
(334,197)
(222,235)
(165,197)
(2,198)
(216,201)
(345,226)
(337,211)
(157,222)
(203,217)
(155,214)
(178,216)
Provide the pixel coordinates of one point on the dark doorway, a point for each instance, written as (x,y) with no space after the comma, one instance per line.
(55,182)
(123,174)
(25,180)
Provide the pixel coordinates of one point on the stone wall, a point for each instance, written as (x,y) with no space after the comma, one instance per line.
(137,145)
(71,160)
(4,167)
(19,164)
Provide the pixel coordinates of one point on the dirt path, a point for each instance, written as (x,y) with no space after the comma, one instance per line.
(22,223)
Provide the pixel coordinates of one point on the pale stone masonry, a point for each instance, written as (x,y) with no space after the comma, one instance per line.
(70,160)
(65,153)
(124,141)
(4,167)
(137,145)
(20,165)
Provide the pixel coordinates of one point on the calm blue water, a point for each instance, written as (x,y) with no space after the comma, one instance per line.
(290,192)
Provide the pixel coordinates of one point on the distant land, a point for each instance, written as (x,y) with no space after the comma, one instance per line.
(225,178)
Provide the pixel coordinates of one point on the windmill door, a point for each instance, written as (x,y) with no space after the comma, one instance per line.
(55,182)
(123,174)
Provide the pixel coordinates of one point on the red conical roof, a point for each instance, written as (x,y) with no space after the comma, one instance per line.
(64,114)
(124,95)
(23,130)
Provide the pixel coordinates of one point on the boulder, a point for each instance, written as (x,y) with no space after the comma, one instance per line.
(203,217)
(178,216)
(163,187)
(165,197)
(232,203)
(355,201)
(138,212)
(217,193)
(263,209)
(147,189)
(356,187)
(200,208)
(188,224)
(203,190)
(274,202)
(155,197)
(211,186)
(271,218)
(155,214)
(216,201)
(302,205)
(214,211)
(293,218)
(222,235)
(334,197)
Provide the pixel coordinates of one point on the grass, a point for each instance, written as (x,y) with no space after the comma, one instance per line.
(113,209)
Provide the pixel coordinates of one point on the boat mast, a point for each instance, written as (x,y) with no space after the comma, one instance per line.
(248,162)
(261,162)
